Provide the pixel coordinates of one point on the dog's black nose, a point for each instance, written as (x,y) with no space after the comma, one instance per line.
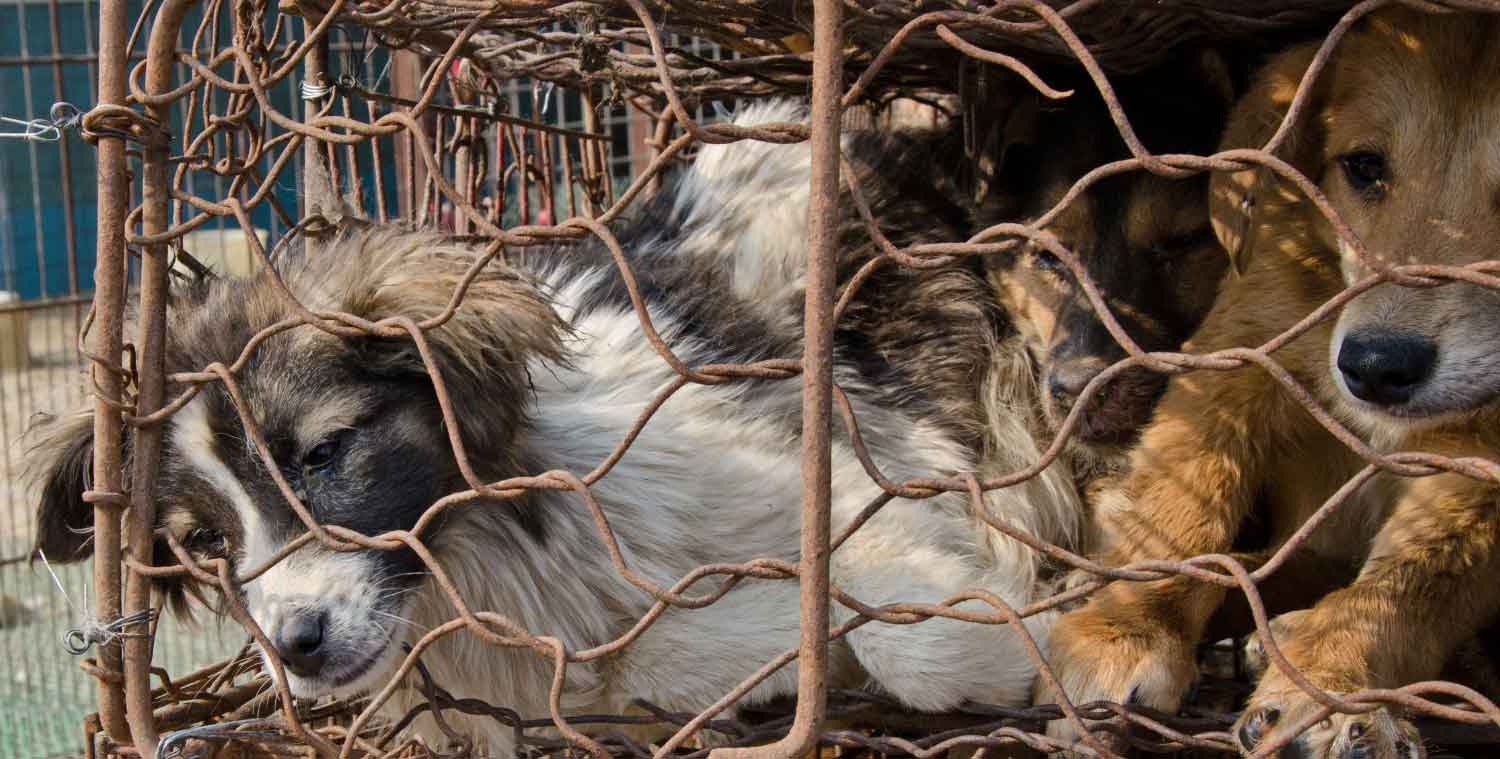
(299,642)
(1068,379)
(1385,368)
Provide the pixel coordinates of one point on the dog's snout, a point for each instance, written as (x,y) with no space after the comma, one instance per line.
(299,642)
(1068,380)
(1385,368)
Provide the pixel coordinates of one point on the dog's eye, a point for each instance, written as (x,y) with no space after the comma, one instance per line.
(1176,246)
(205,541)
(1364,169)
(1047,261)
(320,456)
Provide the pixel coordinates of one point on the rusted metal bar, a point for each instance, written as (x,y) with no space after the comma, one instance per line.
(817,391)
(592,156)
(523,176)
(109,305)
(379,169)
(463,169)
(547,173)
(568,177)
(351,154)
(316,174)
(146,448)
(432,198)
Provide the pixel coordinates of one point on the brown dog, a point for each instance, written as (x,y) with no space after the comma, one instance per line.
(1403,136)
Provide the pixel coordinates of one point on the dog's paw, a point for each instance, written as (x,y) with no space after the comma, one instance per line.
(1257,661)
(1098,658)
(1379,734)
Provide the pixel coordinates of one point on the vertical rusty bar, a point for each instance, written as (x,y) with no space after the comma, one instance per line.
(432,198)
(109,305)
(375,160)
(315,72)
(603,195)
(567,174)
(597,176)
(523,176)
(331,162)
(146,450)
(407,159)
(659,140)
(463,171)
(378,167)
(351,155)
(547,175)
(402,64)
(501,177)
(817,391)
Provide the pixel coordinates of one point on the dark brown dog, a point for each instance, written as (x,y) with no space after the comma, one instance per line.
(1144,240)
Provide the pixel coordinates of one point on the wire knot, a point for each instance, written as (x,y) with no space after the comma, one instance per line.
(110,120)
(78,640)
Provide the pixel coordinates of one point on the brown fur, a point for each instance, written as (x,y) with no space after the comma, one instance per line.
(1422,91)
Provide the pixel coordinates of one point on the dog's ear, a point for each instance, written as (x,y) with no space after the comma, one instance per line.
(1000,120)
(501,323)
(59,464)
(1237,198)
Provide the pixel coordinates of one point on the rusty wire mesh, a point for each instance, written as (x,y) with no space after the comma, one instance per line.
(237,132)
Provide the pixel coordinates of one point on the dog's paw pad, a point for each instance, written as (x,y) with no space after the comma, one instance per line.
(1256,726)
(1374,735)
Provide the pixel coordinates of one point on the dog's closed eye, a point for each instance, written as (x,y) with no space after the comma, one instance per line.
(1179,245)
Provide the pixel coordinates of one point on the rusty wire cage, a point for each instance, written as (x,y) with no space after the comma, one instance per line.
(190,136)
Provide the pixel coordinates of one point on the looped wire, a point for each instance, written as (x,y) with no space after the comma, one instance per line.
(111,120)
(316,91)
(65,115)
(62,115)
(78,640)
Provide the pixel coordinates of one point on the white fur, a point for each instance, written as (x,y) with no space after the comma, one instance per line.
(714,477)
(745,204)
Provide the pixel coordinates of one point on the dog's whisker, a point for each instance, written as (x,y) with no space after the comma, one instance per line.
(402,620)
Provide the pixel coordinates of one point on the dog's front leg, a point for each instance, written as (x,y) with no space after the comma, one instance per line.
(1195,476)
(1427,587)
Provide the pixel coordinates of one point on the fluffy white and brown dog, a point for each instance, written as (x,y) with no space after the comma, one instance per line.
(548,368)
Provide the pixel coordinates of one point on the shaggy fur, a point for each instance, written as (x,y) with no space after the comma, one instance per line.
(547,367)
(1403,135)
(1004,343)
(940,330)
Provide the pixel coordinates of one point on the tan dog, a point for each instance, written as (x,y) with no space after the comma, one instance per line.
(1403,136)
